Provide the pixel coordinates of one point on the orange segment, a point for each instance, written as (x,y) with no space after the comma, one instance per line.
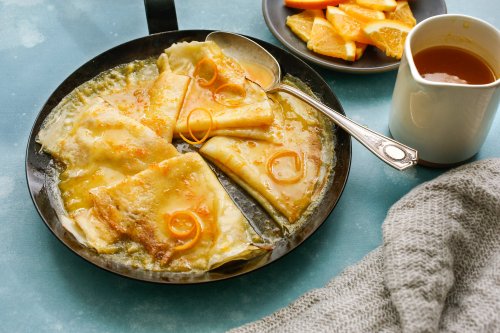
(383,5)
(301,23)
(388,35)
(403,14)
(361,13)
(311,4)
(326,41)
(348,27)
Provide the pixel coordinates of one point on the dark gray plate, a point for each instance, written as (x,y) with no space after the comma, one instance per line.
(40,167)
(373,61)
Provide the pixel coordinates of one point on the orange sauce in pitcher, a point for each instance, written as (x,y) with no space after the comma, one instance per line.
(453,65)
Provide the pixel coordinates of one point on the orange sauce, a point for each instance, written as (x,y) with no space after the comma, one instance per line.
(258,73)
(453,65)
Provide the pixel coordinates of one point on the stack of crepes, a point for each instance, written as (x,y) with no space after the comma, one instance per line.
(128,191)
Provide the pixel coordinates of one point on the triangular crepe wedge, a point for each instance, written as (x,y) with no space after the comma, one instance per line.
(179,215)
(218,86)
(272,133)
(136,89)
(155,104)
(102,136)
(254,111)
(284,178)
(166,97)
(101,148)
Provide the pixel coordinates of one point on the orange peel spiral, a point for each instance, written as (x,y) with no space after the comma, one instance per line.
(197,70)
(238,89)
(195,140)
(193,232)
(299,167)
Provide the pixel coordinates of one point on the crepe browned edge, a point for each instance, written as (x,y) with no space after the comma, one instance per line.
(324,180)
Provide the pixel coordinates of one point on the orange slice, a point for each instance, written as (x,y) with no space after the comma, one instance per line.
(326,41)
(301,23)
(311,4)
(403,14)
(360,50)
(388,35)
(383,5)
(348,27)
(361,13)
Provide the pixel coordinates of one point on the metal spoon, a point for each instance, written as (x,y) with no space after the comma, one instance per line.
(388,150)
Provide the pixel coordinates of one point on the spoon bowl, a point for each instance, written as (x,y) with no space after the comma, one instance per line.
(243,49)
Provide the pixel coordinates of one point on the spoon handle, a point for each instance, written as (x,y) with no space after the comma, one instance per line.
(388,150)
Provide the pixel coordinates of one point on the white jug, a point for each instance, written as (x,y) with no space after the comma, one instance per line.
(446,122)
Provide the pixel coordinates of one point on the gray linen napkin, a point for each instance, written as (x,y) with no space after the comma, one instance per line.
(437,270)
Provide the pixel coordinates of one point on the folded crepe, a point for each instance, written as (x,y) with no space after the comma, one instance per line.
(219,96)
(179,214)
(99,148)
(286,177)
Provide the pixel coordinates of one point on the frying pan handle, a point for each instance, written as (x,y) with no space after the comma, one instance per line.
(161,16)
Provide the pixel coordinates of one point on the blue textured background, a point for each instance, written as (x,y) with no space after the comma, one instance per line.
(46,288)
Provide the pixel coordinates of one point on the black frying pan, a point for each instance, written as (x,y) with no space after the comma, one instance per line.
(161,17)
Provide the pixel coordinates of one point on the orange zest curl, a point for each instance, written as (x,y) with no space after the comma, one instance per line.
(299,168)
(239,92)
(188,125)
(197,70)
(193,232)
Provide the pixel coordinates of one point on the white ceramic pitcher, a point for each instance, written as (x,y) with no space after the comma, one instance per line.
(446,122)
